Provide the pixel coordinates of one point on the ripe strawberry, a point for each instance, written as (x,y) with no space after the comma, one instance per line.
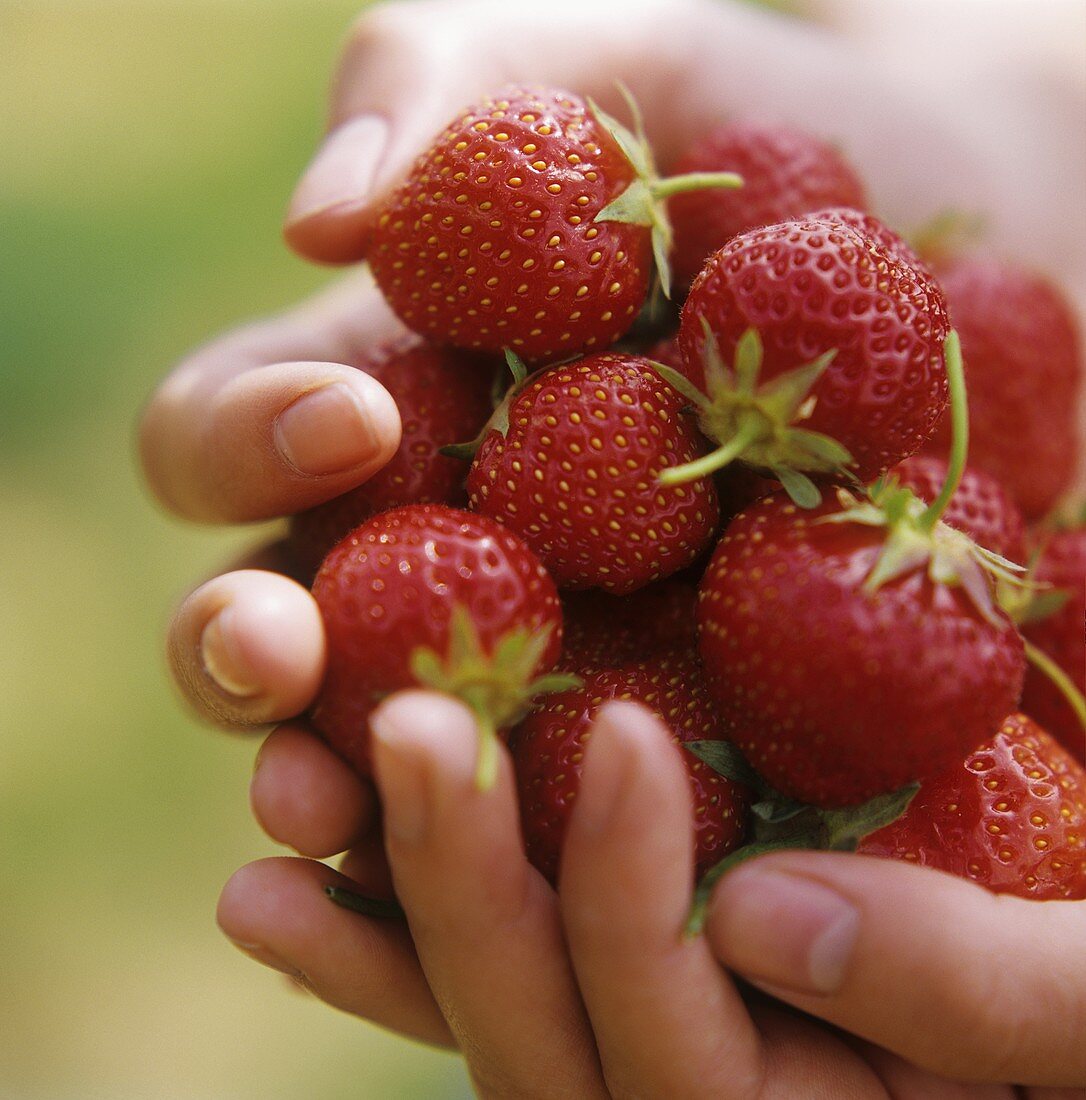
(980,506)
(1061,635)
(575,474)
(530,223)
(832,322)
(549,744)
(604,631)
(1023,362)
(443,395)
(843,667)
(1012,817)
(786,173)
(392,589)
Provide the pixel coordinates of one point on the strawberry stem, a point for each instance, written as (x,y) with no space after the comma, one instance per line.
(693,181)
(358,903)
(1062,682)
(959,426)
(486,766)
(751,430)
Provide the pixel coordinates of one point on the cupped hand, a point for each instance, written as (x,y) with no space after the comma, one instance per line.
(595,990)
(271,420)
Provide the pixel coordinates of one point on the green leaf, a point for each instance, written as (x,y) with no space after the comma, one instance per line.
(726,760)
(634,206)
(695,920)
(718,378)
(785,393)
(679,382)
(516,366)
(774,810)
(844,829)
(823,450)
(427,668)
(803,491)
(748,361)
(632,146)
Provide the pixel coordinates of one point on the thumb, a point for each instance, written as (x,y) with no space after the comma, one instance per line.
(394,88)
(964,983)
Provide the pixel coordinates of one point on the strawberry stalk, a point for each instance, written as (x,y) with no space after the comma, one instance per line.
(644,202)
(959,421)
(381,908)
(1060,680)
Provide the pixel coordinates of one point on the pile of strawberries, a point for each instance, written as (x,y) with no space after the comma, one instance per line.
(754,517)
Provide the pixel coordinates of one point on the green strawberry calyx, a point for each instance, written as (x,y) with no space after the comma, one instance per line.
(644,201)
(497,685)
(499,418)
(756,423)
(916,537)
(781,823)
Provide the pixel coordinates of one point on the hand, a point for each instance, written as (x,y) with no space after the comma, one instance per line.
(594,991)
(216,441)
(248,647)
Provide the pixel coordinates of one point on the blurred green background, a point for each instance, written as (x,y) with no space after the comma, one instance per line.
(147,150)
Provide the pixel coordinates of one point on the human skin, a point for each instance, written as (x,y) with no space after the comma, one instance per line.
(541,995)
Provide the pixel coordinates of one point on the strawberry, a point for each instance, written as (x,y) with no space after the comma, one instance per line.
(1060,635)
(786,173)
(831,322)
(432,596)
(853,651)
(1023,363)
(571,465)
(443,395)
(549,744)
(530,223)
(980,506)
(1011,817)
(604,631)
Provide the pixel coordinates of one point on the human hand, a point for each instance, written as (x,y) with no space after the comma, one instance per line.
(208,438)
(595,990)
(210,435)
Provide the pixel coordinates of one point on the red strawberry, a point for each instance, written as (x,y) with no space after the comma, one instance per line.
(443,396)
(832,323)
(786,173)
(1023,363)
(980,506)
(549,744)
(1061,635)
(1012,817)
(604,631)
(575,474)
(530,224)
(391,589)
(843,669)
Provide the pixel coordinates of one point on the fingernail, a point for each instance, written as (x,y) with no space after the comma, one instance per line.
(263,955)
(343,170)
(326,431)
(784,929)
(607,768)
(222,658)
(423,747)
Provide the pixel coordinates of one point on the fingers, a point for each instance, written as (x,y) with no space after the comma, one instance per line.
(305,796)
(271,420)
(247,648)
(949,976)
(276,911)
(668,1021)
(484,923)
